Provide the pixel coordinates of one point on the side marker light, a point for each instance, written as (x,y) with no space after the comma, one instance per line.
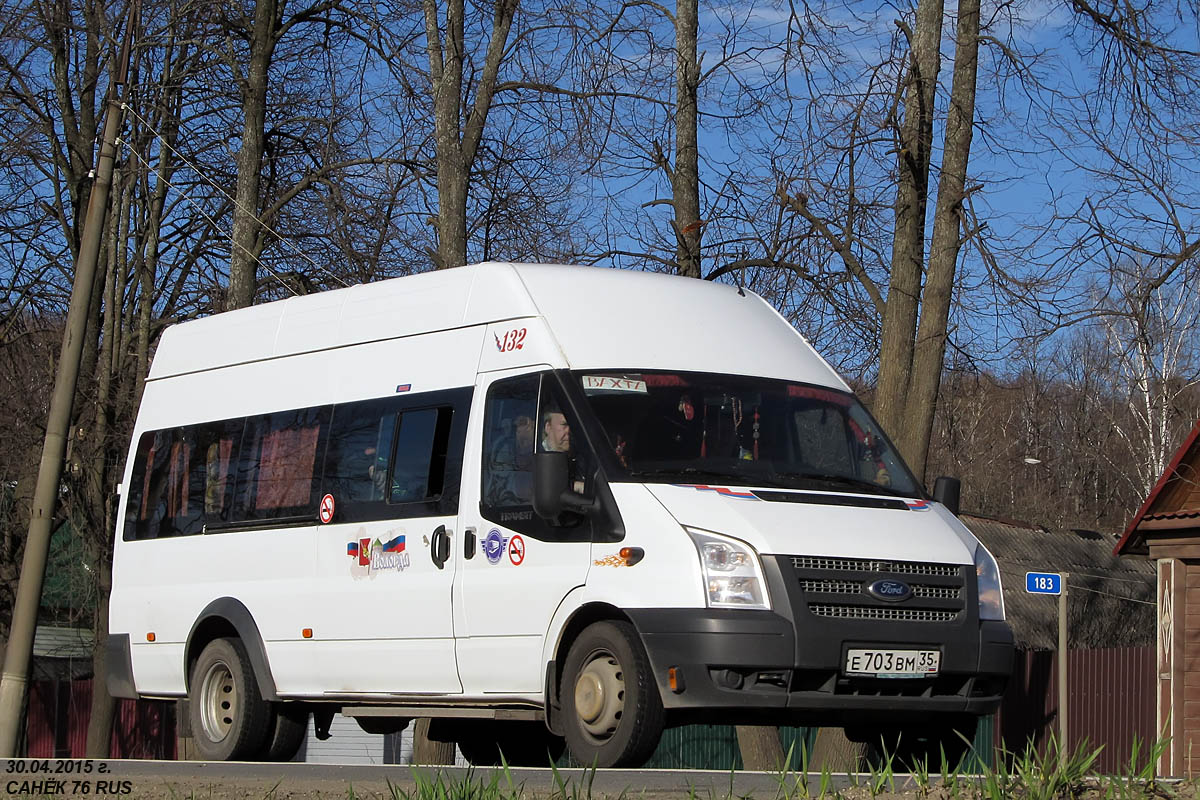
(632,555)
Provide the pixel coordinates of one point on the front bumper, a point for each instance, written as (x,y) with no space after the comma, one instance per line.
(785,666)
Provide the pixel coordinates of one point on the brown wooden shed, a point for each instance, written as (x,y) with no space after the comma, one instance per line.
(1167,529)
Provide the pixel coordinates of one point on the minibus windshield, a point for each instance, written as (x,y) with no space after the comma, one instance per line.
(677,427)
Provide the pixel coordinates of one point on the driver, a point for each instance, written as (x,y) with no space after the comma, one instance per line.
(556,433)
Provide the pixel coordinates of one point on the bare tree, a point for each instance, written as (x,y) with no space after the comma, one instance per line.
(915,310)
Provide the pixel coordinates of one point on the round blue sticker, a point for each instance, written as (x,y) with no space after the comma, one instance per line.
(494,546)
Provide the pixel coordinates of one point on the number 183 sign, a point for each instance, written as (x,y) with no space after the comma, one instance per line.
(1043,583)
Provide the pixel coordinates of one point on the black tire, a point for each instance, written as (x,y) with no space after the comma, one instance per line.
(285,732)
(524,744)
(612,712)
(478,746)
(228,715)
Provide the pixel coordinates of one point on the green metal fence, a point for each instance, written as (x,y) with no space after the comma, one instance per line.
(715,747)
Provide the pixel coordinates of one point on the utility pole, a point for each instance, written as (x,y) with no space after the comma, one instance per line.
(1063,749)
(15,679)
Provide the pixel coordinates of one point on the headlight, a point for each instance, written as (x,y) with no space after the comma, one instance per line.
(733,576)
(991,594)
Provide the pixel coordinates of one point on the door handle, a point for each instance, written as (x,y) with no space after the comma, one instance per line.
(469,543)
(439,547)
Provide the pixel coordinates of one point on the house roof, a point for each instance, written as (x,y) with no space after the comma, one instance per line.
(1110,599)
(52,641)
(1188,456)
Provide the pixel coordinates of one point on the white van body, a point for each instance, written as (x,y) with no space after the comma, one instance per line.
(456,605)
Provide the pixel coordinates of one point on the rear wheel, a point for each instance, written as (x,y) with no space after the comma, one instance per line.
(612,712)
(285,732)
(228,715)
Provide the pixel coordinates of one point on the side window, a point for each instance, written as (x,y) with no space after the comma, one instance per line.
(360,452)
(422,441)
(510,434)
(278,467)
(182,480)
(378,460)
(387,462)
(523,416)
(558,432)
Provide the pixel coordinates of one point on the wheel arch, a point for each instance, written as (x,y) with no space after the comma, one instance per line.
(228,617)
(579,619)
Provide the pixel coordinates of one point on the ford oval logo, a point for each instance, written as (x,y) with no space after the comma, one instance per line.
(892,591)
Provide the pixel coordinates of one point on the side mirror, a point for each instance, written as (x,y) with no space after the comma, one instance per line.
(552,493)
(549,484)
(946,491)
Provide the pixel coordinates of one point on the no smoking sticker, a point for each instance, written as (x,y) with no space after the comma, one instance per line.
(327,508)
(516,550)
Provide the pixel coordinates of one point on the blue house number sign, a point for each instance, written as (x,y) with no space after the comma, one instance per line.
(1043,583)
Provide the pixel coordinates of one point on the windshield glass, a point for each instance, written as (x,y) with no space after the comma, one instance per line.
(706,428)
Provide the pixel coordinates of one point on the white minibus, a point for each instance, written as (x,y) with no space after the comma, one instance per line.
(541,506)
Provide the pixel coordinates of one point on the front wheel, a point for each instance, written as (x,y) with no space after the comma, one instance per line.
(228,715)
(613,715)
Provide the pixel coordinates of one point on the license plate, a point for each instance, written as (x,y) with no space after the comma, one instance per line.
(893,663)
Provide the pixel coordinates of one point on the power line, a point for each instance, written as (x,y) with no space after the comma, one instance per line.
(1073,587)
(1008,568)
(208,217)
(182,158)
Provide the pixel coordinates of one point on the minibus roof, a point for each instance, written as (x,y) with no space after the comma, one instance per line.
(601,318)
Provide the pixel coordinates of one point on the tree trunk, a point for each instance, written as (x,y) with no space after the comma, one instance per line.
(761,750)
(247,229)
(11,537)
(833,752)
(98,511)
(457,142)
(943,254)
(445,73)
(104,706)
(908,246)
(427,751)
(685,177)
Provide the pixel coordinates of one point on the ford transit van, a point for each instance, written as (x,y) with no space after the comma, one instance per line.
(542,506)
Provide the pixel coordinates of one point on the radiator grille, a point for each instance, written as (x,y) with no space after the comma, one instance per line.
(837,588)
(832,587)
(857,587)
(864,565)
(937,592)
(882,613)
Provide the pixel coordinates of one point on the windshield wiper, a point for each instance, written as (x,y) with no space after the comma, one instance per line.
(837,480)
(688,472)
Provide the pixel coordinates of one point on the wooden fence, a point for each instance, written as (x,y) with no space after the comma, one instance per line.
(56,724)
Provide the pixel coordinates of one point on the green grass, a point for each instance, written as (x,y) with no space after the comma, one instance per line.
(1047,774)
